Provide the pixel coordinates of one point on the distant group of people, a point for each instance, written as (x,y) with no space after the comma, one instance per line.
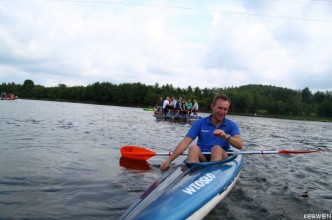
(179,106)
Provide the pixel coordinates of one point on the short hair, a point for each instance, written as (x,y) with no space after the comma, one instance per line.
(221,96)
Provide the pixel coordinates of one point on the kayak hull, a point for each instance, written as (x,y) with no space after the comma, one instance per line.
(202,212)
(187,191)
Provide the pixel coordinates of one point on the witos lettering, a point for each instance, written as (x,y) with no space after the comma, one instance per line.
(199,184)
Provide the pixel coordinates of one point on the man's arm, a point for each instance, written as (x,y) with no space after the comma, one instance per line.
(180,148)
(236,141)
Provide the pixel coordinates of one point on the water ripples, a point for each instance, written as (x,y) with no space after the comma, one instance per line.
(61,161)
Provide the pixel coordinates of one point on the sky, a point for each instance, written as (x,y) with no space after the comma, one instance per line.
(205,44)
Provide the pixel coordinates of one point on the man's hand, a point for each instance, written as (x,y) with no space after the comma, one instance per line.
(165,165)
(220,133)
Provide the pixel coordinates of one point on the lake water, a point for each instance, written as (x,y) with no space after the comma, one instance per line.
(62,161)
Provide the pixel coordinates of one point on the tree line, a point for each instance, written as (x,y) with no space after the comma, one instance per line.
(248,99)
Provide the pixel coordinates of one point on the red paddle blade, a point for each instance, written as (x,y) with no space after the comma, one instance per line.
(297,151)
(137,153)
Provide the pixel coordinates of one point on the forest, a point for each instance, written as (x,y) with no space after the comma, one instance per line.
(260,100)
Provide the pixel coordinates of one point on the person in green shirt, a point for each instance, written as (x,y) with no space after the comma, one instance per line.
(189,106)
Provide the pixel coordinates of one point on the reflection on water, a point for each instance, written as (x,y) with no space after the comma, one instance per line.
(134,164)
(62,160)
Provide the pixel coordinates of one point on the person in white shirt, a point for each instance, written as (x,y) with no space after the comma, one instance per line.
(165,104)
(195,107)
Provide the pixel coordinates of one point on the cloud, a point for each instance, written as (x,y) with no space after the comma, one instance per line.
(214,44)
(273,51)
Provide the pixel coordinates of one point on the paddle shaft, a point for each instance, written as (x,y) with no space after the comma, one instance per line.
(229,152)
(247,152)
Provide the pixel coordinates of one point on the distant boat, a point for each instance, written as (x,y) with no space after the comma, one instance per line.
(7,96)
(149,109)
(176,117)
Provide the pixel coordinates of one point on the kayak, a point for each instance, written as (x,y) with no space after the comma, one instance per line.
(187,191)
(148,109)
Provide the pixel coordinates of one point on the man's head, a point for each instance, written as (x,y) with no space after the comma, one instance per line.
(220,106)
(221,96)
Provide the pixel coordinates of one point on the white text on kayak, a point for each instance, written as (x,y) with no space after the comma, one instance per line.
(198,184)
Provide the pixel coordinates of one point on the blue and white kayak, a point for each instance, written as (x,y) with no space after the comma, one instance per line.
(187,191)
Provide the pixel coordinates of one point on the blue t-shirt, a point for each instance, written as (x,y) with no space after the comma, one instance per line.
(203,129)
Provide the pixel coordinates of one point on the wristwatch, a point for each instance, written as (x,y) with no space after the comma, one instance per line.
(228,137)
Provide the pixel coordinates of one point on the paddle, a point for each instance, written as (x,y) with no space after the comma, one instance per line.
(140,153)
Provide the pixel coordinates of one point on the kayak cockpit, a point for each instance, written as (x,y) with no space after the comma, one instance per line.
(209,163)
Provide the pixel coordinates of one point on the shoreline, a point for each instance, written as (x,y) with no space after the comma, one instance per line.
(288,117)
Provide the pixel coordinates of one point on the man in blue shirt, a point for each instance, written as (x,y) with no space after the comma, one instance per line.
(215,134)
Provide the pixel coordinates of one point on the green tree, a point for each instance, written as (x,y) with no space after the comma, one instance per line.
(325,108)
(27,88)
(39,92)
(319,97)
(294,105)
(306,95)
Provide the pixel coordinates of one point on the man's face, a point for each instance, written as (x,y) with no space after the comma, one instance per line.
(220,109)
